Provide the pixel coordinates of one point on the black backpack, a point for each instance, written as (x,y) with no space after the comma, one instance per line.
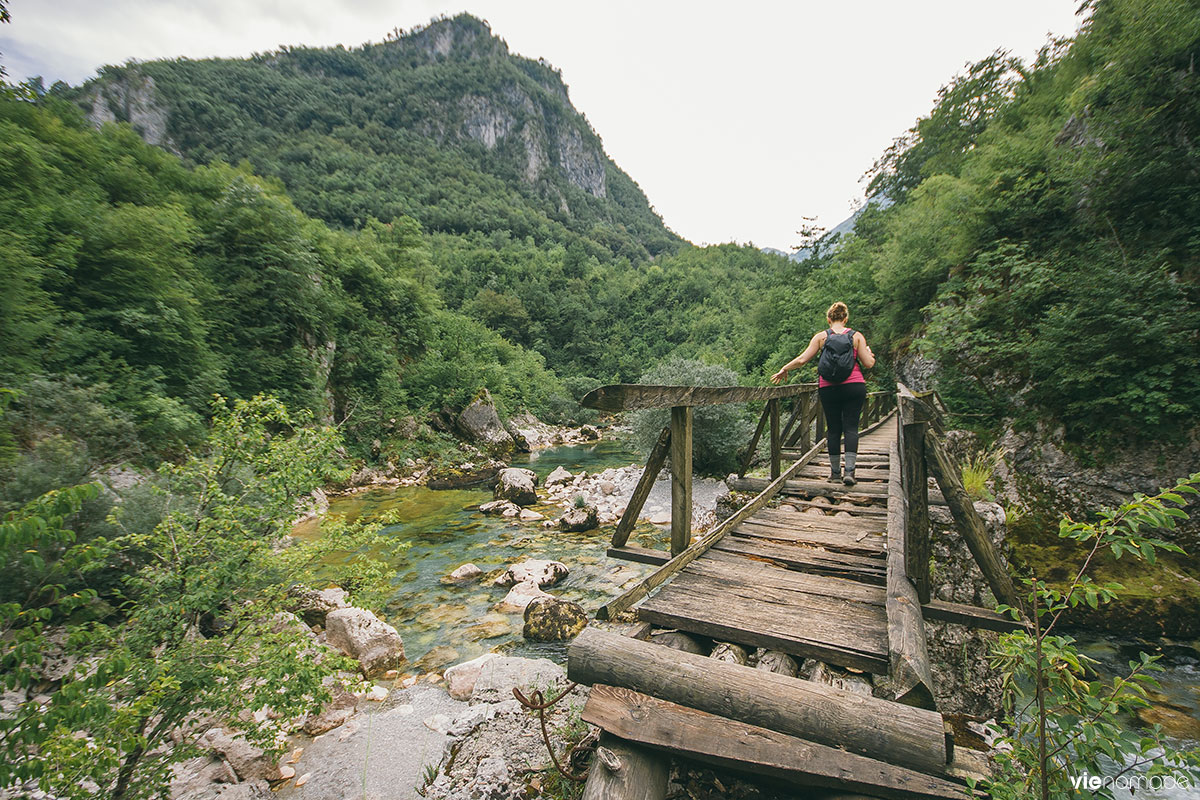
(837,356)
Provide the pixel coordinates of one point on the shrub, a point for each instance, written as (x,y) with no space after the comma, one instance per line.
(717,431)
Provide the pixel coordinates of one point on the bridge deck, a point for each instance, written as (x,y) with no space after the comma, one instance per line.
(799,579)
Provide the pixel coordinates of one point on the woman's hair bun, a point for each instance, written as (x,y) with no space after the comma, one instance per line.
(837,312)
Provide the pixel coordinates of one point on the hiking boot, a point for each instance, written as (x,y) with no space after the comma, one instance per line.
(834,476)
(849,478)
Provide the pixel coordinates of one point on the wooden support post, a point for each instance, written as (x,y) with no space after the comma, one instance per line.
(902,735)
(796,415)
(622,770)
(658,454)
(776,443)
(948,475)
(908,652)
(681,479)
(806,422)
(749,459)
(916,506)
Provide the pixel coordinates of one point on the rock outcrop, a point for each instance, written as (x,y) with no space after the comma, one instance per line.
(361,635)
(535,571)
(480,424)
(517,486)
(551,619)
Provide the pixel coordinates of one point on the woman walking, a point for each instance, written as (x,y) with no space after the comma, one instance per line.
(841,385)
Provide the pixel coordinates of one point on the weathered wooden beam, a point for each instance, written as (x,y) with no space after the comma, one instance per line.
(642,555)
(681,479)
(776,443)
(658,455)
(631,396)
(793,418)
(971,616)
(622,770)
(749,457)
(908,652)
(948,475)
(664,573)
(750,748)
(915,484)
(901,735)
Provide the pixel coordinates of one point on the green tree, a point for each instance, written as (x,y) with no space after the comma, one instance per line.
(198,633)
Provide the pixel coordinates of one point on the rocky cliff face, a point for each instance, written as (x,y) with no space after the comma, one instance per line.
(471,91)
(132,99)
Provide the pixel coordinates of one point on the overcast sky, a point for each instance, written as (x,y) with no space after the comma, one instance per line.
(736,118)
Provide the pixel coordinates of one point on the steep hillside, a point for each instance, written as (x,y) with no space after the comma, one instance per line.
(442,124)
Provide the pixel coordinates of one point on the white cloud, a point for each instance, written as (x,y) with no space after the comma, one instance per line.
(735,118)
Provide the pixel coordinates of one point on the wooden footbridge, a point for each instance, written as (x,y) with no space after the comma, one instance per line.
(827,585)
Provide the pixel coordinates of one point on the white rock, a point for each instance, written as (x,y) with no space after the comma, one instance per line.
(360,634)
(460,679)
(531,516)
(519,597)
(541,573)
(558,476)
(464,573)
(500,675)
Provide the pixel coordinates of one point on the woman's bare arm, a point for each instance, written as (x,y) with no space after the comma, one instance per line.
(813,348)
(865,356)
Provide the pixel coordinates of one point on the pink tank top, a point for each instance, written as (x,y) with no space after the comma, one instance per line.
(856,376)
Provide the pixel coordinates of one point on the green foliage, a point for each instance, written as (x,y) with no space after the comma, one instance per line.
(1060,724)
(199,632)
(717,431)
(978,471)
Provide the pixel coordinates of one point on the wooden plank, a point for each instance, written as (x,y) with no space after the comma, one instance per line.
(908,652)
(971,616)
(773,411)
(749,459)
(868,473)
(681,479)
(723,564)
(905,736)
(664,573)
(658,455)
(836,542)
(642,555)
(784,515)
(835,631)
(631,396)
(826,488)
(805,559)
(623,770)
(761,751)
(948,475)
(856,510)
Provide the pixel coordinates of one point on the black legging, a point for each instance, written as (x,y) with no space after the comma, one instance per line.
(843,405)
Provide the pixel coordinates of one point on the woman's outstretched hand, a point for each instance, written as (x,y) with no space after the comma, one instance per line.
(779,377)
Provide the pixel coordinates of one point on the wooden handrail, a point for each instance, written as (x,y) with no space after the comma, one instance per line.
(633,396)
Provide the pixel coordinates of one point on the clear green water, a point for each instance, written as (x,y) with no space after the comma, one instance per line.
(442,624)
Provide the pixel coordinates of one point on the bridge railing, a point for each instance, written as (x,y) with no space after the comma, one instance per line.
(922,454)
(804,428)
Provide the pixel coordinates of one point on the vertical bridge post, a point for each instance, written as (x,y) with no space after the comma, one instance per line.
(776,443)
(914,425)
(681,477)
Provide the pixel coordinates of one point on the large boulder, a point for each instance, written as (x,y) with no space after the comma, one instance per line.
(340,708)
(517,485)
(535,571)
(462,574)
(578,520)
(481,426)
(249,761)
(313,605)
(551,619)
(360,634)
(499,676)
(464,475)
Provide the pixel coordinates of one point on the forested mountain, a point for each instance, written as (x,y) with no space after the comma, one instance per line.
(441,124)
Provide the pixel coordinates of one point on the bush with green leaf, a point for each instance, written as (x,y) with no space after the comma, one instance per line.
(1061,723)
(199,632)
(717,431)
